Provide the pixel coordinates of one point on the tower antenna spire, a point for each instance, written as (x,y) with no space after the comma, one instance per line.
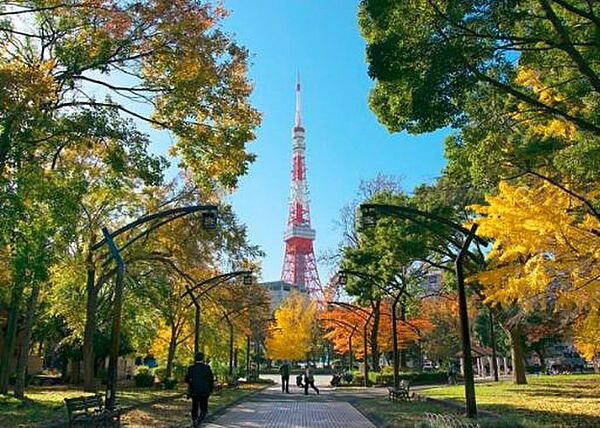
(298,121)
(299,262)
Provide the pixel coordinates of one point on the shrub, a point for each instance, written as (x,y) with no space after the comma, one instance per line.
(144,378)
(170,383)
(179,371)
(102,374)
(415,378)
(160,373)
(348,377)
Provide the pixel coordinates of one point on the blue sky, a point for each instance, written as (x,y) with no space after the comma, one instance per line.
(345,143)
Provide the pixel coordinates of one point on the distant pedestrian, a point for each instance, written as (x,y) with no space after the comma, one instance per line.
(285,370)
(200,380)
(309,380)
(299,383)
(451,375)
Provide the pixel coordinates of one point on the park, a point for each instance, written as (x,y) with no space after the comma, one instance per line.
(441,270)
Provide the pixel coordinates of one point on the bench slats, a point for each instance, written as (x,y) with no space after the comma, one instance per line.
(90,409)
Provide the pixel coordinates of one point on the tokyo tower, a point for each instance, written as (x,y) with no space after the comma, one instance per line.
(299,265)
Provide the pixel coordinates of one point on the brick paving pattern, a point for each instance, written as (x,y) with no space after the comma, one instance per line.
(290,414)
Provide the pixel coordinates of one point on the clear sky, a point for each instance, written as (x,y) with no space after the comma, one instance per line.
(345,142)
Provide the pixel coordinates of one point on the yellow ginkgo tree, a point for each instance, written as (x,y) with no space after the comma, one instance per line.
(294,333)
(545,254)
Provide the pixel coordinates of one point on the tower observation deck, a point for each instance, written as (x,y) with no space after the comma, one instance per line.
(299,264)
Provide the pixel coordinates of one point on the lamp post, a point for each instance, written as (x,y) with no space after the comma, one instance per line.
(353,330)
(343,280)
(369,218)
(350,307)
(209,217)
(214,281)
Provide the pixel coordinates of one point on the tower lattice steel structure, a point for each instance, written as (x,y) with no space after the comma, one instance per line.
(299,264)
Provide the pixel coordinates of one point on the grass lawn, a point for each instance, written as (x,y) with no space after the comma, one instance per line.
(45,404)
(397,414)
(176,413)
(546,401)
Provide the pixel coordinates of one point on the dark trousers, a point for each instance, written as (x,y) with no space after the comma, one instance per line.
(285,383)
(311,384)
(201,402)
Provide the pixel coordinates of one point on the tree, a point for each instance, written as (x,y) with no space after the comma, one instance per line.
(294,332)
(169,58)
(544,252)
(429,56)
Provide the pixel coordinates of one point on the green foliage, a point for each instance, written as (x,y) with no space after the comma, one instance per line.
(170,383)
(144,378)
(415,378)
(429,57)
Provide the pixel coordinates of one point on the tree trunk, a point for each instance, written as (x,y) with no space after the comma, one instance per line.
(375,336)
(75,371)
(89,381)
(11,329)
(171,353)
(518,355)
(25,342)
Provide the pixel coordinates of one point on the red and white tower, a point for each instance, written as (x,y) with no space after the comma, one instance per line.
(299,264)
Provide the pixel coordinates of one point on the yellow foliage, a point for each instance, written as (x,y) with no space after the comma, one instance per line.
(587,336)
(553,127)
(294,333)
(546,252)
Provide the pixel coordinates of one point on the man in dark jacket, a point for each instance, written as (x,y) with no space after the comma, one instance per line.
(200,379)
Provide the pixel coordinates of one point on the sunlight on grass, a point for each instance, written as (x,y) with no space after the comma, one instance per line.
(547,401)
(45,404)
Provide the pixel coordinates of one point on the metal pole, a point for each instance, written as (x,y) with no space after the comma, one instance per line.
(366,368)
(197,329)
(111,387)
(493,338)
(230,348)
(395,342)
(350,351)
(247,356)
(464,327)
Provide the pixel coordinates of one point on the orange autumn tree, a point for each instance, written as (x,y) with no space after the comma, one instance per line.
(339,323)
(546,253)
(442,341)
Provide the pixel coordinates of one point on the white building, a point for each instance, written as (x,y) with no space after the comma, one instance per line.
(279,291)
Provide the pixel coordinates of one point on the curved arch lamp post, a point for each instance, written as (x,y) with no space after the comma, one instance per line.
(209,221)
(353,328)
(343,280)
(369,214)
(212,283)
(366,316)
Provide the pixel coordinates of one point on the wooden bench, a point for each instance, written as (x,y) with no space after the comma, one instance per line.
(436,420)
(401,393)
(90,411)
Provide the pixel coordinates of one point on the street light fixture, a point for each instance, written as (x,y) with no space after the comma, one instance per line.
(209,220)
(208,212)
(370,211)
(351,307)
(342,275)
(214,281)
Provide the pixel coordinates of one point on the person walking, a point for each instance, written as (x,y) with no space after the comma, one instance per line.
(200,380)
(451,374)
(285,370)
(309,380)
(299,383)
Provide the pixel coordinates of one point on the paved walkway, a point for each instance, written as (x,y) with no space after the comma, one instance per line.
(272,409)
